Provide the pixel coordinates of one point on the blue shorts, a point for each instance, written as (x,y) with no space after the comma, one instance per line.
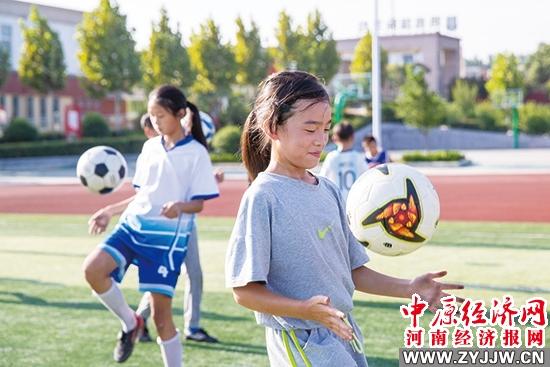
(156,273)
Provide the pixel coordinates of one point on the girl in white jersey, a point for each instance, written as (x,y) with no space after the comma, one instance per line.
(291,257)
(173,177)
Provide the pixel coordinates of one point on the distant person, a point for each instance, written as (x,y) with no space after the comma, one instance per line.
(374,156)
(344,165)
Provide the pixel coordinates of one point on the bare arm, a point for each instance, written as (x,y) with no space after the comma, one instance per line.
(173,209)
(99,221)
(369,281)
(257,297)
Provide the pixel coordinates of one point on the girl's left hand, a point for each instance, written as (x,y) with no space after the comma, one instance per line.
(171,209)
(431,290)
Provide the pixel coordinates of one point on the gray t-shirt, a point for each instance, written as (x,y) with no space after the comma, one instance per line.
(293,236)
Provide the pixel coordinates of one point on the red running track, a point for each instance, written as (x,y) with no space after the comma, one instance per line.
(474,198)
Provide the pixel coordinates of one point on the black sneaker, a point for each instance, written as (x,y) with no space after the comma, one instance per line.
(126,341)
(201,336)
(145,336)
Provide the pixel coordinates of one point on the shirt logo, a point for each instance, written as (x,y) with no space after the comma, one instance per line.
(323,232)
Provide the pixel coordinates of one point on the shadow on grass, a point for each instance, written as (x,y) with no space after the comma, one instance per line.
(229,347)
(15,298)
(43,253)
(510,246)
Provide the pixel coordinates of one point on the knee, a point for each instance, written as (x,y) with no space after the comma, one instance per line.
(162,319)
(92,271)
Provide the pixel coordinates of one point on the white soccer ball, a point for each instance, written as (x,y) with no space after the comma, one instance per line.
(393,209)
(101,169)
(208,126)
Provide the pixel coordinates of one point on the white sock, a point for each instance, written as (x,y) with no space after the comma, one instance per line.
(144,308)
(172,351)
(115,302)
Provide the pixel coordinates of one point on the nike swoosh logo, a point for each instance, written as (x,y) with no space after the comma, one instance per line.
(323,232)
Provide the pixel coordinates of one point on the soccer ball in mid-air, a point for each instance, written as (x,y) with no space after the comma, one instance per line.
(392,209)
(208,126)
(101,169)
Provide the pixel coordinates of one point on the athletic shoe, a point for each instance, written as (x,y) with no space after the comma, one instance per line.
(201,335)
(126,341)
(145,336)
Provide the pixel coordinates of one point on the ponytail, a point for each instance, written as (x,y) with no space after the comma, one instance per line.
(274,105)
(196,125)
(255,148)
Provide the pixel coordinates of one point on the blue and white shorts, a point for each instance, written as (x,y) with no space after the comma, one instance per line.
(158,266)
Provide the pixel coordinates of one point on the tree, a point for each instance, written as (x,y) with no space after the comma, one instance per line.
(504,75)
(213,62)
(362,56)
(42,65)
(4,65)
(538,68)
(107,53)
(288,53)
(251,58)
(166,60)
(322,57)
(465,97)
(416,104)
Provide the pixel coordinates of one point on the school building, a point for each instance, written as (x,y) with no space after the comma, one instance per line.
(47,112)
(439,54)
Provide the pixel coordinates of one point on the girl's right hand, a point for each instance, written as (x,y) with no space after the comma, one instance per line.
(318,308)
(99,221)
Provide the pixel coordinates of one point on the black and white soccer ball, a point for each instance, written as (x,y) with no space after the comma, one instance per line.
(101,169)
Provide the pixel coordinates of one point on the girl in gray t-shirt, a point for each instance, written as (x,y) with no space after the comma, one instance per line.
(292,258)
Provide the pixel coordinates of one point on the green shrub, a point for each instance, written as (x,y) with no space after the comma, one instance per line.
(488,117)
(453,115)
(440,155)
(52,135)
(94,126)
(538,124)
(388,112)
(535,118)
(227,139)
(236,112)
(20,129)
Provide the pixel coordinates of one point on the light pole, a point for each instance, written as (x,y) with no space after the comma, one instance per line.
(376,81)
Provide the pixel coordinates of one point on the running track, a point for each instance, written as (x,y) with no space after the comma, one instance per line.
(475,198)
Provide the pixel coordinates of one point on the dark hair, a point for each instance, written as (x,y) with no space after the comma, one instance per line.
(344,131)
(275,101)
(173,100)
(369,138)
(145,121)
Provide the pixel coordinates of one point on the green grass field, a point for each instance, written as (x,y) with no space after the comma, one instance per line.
(48,316)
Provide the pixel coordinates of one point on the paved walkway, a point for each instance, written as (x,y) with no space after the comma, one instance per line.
(483,162)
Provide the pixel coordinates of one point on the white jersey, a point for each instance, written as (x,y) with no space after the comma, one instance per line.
(183,173)
(343,167)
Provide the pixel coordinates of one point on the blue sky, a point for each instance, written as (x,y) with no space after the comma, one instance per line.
(484,26)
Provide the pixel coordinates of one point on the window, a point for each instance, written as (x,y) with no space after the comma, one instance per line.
(15,103)
(408,59)
(56,114)
(5,37)
(30,108)
(43,112)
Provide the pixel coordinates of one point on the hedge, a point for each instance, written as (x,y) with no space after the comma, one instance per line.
(440,155)
(61,147)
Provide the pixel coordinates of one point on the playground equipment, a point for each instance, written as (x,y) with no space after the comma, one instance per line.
(349,87)
(511,99)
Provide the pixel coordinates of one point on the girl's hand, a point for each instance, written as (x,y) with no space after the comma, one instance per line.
(219,175)
(99,221)
(171,209)
(431,290)
(318,308)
